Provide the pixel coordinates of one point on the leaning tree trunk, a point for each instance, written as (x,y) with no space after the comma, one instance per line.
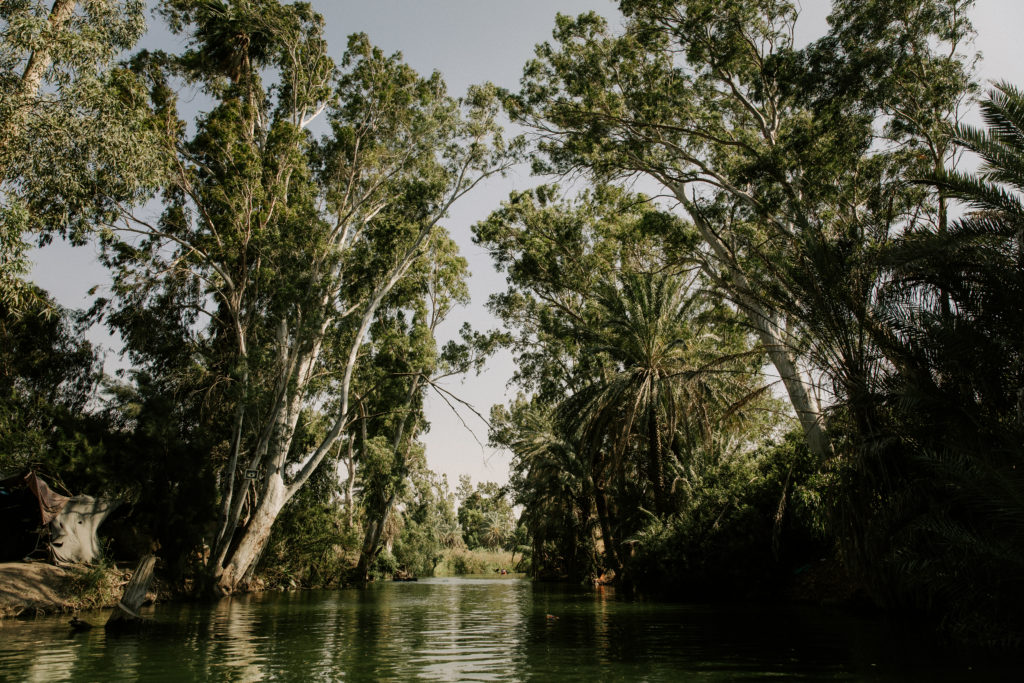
(126,615)
(766,322)
(242,560)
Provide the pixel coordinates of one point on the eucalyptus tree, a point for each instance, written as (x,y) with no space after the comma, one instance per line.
(406,364)
(759,142)
(275,250)
(70,123)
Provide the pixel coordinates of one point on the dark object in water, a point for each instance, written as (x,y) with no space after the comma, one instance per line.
(405,578)
(79,625)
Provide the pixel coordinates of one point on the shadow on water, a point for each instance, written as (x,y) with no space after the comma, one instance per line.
(475,629)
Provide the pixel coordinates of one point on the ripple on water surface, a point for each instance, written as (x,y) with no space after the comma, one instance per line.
(470,629)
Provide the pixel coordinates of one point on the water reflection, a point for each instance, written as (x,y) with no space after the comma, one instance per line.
(470,629)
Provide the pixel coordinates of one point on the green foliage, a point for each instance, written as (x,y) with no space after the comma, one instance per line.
(384,566)
(73,141)
(742,529)
(485,515)
(310,545)
(48,374)
(430,528)
(551,481)
(478,562)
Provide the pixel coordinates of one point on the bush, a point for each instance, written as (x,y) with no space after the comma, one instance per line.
(729,539)
(470,562)
(384,566)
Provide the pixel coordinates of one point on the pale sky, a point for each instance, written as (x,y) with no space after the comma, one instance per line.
(471,41)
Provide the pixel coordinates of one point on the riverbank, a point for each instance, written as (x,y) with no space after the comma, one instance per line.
(29,589)
(477,561)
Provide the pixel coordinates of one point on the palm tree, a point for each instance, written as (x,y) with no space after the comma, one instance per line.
(667,365)
(551,481)
(931,506)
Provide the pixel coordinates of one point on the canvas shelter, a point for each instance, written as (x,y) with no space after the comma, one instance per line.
(29,507)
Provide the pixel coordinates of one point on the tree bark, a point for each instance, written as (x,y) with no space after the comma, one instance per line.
(254,538)
(611,553)
(797,385)
(126,615)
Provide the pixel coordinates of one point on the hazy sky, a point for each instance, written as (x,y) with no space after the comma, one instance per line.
(471,41)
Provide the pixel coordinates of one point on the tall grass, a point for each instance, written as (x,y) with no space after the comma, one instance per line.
(464,562)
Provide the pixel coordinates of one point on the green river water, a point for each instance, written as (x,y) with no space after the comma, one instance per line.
(473,629)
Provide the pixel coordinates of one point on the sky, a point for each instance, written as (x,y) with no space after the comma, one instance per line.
(472,41)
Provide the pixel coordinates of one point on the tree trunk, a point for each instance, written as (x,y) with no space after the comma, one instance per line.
(254,539)
(655,466)
(797,385)
(804,403)
(610,551)
(126,616)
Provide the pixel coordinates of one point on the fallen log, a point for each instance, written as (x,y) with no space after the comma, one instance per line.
(126,614)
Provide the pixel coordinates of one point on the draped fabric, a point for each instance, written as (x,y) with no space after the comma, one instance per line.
(50,503)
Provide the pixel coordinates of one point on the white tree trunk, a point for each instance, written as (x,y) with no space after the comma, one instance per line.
(254,538)
(771,333)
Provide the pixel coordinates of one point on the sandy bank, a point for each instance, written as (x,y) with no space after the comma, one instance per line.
(32,588)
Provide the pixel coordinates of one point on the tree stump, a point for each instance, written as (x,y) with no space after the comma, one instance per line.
(126,615)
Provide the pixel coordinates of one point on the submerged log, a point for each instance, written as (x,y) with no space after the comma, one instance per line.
(126,615)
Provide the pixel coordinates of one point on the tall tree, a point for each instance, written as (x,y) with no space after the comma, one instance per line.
(275,251)
(758,141)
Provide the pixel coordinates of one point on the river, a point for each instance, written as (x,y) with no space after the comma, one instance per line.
(473,629)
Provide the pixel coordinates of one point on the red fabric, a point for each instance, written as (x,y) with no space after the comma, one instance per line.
(50,503)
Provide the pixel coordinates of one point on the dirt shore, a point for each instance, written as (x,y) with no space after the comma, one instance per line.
(34,588)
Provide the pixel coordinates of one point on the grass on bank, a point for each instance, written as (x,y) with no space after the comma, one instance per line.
(478,561)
